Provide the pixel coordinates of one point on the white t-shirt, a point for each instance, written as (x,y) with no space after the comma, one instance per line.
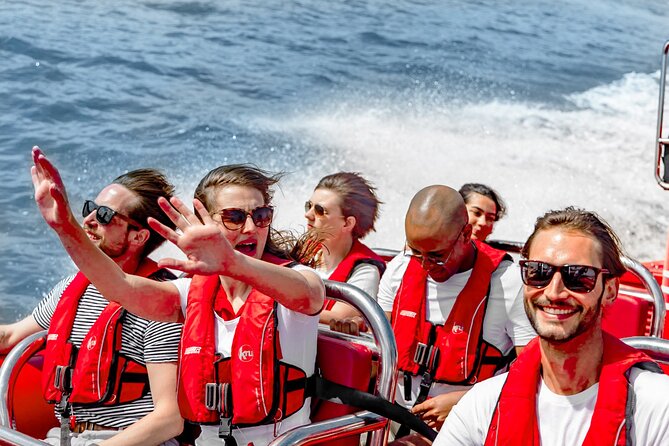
(364,276)
(563,419)
(505,324)
(298,333)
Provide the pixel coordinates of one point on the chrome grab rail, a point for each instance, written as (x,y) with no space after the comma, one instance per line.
(384,340)
(662,144)
(7,433)
(656,348)
(655,291)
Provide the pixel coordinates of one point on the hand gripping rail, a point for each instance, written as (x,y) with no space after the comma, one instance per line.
(662,142)
(7,434)
(363,421)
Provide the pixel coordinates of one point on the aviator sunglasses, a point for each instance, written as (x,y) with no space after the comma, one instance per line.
(576,278)
(235,218)
(318,209)
(105,214)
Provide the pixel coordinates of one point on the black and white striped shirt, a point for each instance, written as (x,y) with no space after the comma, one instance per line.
(142,340)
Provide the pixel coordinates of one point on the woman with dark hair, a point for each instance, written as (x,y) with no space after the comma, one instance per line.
(343,209)
(484,206)
(250,315)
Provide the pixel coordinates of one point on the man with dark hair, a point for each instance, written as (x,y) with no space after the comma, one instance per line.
(453,304)
(139,405)
(574,384)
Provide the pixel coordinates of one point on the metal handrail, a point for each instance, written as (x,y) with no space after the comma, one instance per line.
(363,421)
(7,433)
(657,348)
(655,291)
(660,142)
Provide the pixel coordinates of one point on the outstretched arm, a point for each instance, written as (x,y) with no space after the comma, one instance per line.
(209,252)
(144,297)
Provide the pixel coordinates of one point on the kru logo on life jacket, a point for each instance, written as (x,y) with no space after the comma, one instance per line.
(97,373)
(245,353)
(455,352)
(253,386)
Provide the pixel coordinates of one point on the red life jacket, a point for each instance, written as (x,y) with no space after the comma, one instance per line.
(514,421)
(251,387)
(455,352)
(93,373)
(358,254)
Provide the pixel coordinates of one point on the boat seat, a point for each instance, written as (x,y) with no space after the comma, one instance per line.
(31,414)
(629,315)
(348,364)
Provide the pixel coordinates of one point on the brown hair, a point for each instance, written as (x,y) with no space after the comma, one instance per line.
(357,197)
(588,223)
(468,189)
(148,185)
(243,175)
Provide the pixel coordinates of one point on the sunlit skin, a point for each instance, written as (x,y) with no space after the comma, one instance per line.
(336,231)
(568,323)
(441,245)
(333,225)
(250,239)
(112,238)
(482,215)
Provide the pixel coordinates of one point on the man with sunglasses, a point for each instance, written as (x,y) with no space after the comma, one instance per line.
(574,384)
(140,408)
(453,304)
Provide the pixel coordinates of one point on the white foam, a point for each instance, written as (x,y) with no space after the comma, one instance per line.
(597,153)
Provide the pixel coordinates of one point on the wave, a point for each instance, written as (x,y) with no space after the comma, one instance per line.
(595,152)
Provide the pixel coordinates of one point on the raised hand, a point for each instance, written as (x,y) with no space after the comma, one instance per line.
(50,194)
(204,243)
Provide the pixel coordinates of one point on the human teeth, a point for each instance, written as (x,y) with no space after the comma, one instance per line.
(557,311)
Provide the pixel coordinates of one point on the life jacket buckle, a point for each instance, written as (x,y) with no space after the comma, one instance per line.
(217,397)
(212,396)
(426,356)
(63,378)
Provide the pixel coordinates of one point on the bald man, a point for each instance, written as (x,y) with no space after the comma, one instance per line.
(453,303)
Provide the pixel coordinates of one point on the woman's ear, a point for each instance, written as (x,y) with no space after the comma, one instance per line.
(349,223)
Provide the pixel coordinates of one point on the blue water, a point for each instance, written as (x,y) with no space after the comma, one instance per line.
(552,103)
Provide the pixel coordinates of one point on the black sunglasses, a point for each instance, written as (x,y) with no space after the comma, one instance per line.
(105,214)
(576,278)
(235,218)
(318,209)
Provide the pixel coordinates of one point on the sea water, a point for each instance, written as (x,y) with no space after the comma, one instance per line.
(551,103)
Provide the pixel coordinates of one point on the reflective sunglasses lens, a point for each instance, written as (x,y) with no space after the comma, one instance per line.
(537,274)
(104,215)
(262,216)
(307,206)
(89,206)
(319,210)
(579,278)
(233,219)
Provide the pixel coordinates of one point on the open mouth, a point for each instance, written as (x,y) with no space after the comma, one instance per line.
(92,236)
(247,248)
